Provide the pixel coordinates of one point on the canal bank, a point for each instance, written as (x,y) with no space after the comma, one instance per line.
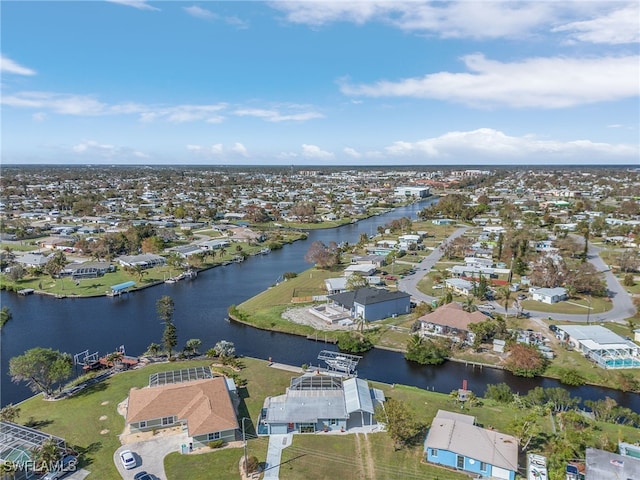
(201,311)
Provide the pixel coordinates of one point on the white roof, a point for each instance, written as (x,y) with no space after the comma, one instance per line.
(357,396)
(596,336)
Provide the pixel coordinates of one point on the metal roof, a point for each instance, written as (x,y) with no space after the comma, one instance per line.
(306,406)
(595,333)
(357,396)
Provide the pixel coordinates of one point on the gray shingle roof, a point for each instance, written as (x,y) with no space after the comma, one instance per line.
(366,296)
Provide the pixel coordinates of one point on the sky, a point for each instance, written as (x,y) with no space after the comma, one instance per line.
(474,82)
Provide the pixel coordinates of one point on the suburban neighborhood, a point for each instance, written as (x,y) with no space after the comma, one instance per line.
(532,272)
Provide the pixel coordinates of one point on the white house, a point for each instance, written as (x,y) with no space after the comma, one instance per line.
(549,295)
(459,286)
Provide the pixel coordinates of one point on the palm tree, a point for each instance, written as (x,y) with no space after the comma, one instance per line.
(46,454)
(114,359)
(468,305)
(505,293)
(153,349)
(139,271)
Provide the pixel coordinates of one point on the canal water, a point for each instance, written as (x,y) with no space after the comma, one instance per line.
(102,324)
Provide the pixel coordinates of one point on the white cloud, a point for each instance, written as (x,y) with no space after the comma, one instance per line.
(616,27)
(486,144)
(87,105)
(9,66)
(313,151)
(91,146)
(200,12)
(240,149)
(237,22)
(91,149)
(352,152)
(277,116)
(139,4)
(446,19)
(39,116)
(535,82)
(57,103)
(218,149)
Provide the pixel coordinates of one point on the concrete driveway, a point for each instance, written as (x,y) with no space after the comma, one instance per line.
(150,455)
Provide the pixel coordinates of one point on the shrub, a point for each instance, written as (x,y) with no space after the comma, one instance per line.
(572,377)
(216,444)
(288,275)
(252,465)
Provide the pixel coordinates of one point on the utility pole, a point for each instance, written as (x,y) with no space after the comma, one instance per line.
(244,441)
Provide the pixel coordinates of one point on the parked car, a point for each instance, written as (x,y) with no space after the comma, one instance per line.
(142,476)
(66,465)
(487,306)
(522,296)
(127,459)
(553,328)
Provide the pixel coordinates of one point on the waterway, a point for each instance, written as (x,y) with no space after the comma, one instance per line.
(102,324)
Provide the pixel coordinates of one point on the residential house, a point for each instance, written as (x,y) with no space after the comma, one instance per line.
(314,403)
(336,285)
(243,234)
(87,269)
(451,321)
(603,465)
(377,260)
(186,251)
(373,303)
(549,295)
(606,348)
(360,269)
(217,244)
(455,441)
(203,406)
(35,260)
(146,260)
(442,221)
(459,286)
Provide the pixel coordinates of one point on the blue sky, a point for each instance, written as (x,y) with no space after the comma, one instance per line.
(320,83)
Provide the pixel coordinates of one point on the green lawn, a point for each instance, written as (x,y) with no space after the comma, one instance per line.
(577,306)
(318,456)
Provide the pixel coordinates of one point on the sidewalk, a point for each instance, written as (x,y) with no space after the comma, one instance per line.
(277,443)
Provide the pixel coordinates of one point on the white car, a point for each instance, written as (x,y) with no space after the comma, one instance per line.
(487,306)
(128,460)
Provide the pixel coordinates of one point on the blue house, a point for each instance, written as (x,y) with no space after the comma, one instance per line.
(373,303)
(455,442)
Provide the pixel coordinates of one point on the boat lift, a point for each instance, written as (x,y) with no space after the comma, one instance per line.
(340,362)
(85,358)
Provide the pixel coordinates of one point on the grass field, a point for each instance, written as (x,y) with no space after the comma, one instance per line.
(311,457)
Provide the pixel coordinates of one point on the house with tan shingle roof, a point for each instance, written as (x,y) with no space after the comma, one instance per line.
(451,321)
(204,407)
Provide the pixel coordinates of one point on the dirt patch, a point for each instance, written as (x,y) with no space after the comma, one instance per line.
(104,432)
(103,417)
(106,402)
(368,458)
(359,459)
